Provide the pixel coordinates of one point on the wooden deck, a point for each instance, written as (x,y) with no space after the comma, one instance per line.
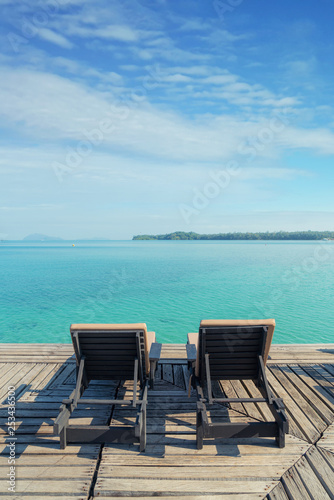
(43,375)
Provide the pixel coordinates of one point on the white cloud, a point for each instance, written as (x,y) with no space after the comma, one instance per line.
(220,79)
(191,70)
(217,37)
(176,78)
(194,25)
(54,108)
(64,109)
(81,70)
(129,67)
(121,33)
(261,173)
(319,139)
(56,38)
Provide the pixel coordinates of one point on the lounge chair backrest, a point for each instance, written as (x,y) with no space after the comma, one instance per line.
(110,350)
(234,347)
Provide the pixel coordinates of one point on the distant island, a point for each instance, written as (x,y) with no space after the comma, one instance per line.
(41,237)
(280,235)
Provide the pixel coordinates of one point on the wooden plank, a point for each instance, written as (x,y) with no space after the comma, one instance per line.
(175,351)
(75,487)
(161,385)
(52,497)
(321,469)
(47,375)
(238,496)
(278,493)
(311,397)
(25,429)
(262,473)
(323,382)
(46,414)
(241,392)
(50,448)
(310,480)
(37,359)
(278,352)
(60,378)
(229,390)
(326,374)
(158,372)
(313,384)
(53,460)
(188,440)
(186,376)
(36,405)
(329,368)
(254,392)
(199,461)
(294,486)
(327,439)
(175,421)
(158,487)
(36,346)
(46,473)
(231,447)
(12,375)
(298,422)
(297,396)
(27,380)
(178,376)
(167,373)
(292,353)
(4,369)
(327,455)
(181,360)
(165,393)
(22,378)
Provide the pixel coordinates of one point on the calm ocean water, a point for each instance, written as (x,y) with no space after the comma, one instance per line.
(168,285)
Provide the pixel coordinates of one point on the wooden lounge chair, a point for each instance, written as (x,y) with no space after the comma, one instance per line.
(234,350)
(110,352)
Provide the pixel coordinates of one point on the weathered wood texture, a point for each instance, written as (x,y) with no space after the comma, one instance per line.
(279,353)
(44,374)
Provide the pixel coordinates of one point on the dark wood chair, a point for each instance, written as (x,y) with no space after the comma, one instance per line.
(233,350)
(110,352)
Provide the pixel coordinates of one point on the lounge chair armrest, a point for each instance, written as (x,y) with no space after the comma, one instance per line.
(67,401)
(155,351)
(191,353)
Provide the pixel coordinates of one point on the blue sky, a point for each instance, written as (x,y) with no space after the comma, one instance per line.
(120,118)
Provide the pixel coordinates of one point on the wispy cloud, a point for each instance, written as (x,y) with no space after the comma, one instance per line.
(56,38)
(194,25)
(109,32)
(57,112)
(182,91)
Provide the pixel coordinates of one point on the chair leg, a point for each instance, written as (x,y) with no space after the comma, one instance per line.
(143,432)
(199,430)
(63,440)
(280,439)
(154,366)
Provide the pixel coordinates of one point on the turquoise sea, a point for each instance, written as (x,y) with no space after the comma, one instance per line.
(169,285)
